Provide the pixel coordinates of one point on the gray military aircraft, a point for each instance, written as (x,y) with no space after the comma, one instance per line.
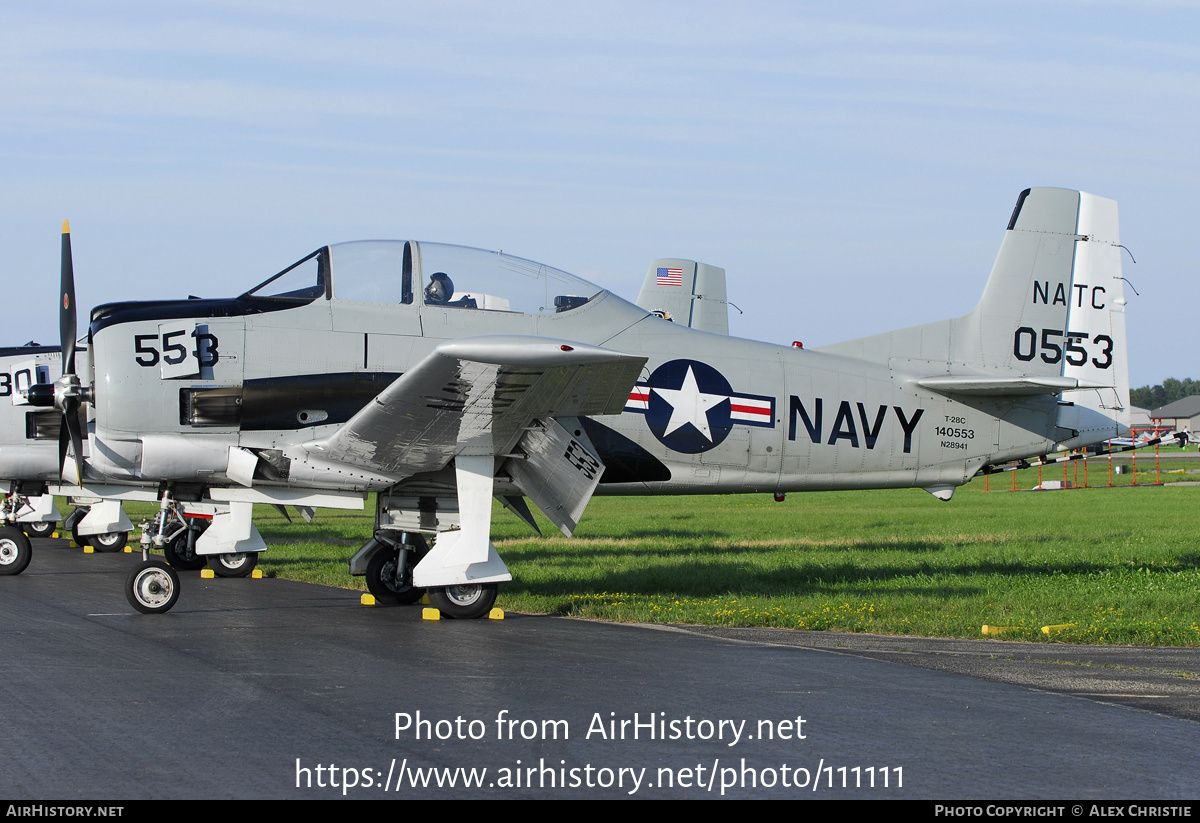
(31,471)
(27,466)
(32,467)
(25,507)
(440,377)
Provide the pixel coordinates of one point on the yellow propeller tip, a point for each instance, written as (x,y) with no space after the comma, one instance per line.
(66,228)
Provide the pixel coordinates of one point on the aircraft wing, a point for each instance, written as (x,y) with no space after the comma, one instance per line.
(476,396)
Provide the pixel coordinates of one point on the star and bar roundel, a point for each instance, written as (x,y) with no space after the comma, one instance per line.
(690,406)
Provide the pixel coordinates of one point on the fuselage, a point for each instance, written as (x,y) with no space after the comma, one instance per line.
(177,384)
(29,445)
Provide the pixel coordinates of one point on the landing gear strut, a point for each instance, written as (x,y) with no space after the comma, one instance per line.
(153,586)
(16,509)
(390,571)
(459,572)
(180,547)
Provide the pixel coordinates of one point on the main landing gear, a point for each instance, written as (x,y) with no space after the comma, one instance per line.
(34,516)
(233,564)
(390,569)
(389,572)
(111,541)
(107,542)
(461,568)
(179,547)
(464,602)
(181,533)
(40,529)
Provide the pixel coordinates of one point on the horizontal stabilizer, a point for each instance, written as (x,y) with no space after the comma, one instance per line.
(1004,386)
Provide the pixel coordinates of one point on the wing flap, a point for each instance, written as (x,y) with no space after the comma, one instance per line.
(557,472)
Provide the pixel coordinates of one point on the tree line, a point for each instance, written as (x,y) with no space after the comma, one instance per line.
(1170,390)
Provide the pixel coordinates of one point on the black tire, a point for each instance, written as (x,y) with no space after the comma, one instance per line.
(44,528)
(15,550)
(71,522)
(178,556)
(236,564)
(464,602)
(109,541)
(381,579)
(97,541)
(152,587)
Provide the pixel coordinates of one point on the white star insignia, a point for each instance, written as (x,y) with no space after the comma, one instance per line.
(690,405)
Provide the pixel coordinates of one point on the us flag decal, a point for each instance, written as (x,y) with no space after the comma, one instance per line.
(669,277)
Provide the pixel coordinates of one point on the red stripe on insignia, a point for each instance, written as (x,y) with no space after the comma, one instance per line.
(759,410)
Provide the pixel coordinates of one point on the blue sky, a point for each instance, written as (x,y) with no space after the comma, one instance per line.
(852,168)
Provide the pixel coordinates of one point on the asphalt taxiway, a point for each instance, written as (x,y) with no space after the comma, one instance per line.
(273,689)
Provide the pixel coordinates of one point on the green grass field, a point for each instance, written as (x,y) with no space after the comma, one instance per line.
(1103,565)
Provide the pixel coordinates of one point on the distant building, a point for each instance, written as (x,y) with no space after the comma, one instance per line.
(1139,418)
(1182,415)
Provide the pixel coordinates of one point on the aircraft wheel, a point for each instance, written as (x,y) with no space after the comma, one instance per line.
(152,587)
(109,541)
(235,564)
(40,529)
(177,555)
(99,542)
(381,580)
(464,602)
(15,551)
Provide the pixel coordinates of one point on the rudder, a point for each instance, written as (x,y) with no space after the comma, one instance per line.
(1096,354)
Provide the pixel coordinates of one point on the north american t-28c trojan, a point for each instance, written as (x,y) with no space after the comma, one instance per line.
(440,377)
(31,476)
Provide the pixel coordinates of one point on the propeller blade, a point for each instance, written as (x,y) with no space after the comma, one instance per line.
(71,418)
(66,313)
(64,440)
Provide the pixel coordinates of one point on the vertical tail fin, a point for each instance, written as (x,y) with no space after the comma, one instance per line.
(1017,326)
(1051,321)
(689,293)
(1019,322)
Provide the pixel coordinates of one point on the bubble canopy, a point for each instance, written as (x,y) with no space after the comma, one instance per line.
(401,272)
